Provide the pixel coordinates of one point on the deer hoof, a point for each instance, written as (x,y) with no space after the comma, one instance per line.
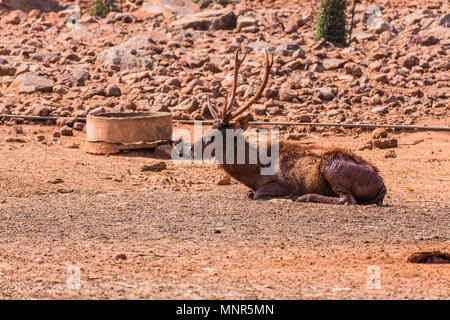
(250,194)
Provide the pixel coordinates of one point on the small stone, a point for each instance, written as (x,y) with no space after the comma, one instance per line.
(409,61)
(332,113)
(113,91)
(80,76)
(445,21)
(367,146)
(381,78)
(385,143)
(55,181)
(17,129)
(61,122)
(153,166)
(390,154)
(64,191)
(380,110)
(224,181)
(325,93)
(73,57)
(72,145)
(380,26)
(39,111)
(379,133)
(15,139)
(60,89)
(211,67)
(291,28)
(243,22)
(294,65)
(331,64)
(287,95)
(300,53)
(120,256)
(66,131)
(273,110)
(317,67)
(79,126)
(125,18)
(385,37)
(302,118)
(361,36)
(97,110)
(353,69)
(179,115)
(412,19)
(259,109)
(6,70)
(429,41)
(270,93)
(295,136)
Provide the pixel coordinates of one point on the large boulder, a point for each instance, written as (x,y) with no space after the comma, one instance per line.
(126,55)
(14,17)
(31,82)
(412,19)
(409,61)
(179,8)
(207,20)
(331,64)
(28,5)
(445,21)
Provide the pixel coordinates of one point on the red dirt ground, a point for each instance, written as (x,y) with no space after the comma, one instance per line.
(185,237)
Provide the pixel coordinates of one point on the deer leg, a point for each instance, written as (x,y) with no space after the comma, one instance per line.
(317,198)
(338,183)
(350,181)
(273,191)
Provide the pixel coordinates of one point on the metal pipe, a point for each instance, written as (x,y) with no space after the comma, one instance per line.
(305,124)
(20,116)
(345,125)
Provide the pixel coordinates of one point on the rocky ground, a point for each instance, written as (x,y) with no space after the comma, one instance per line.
(137,228)
(395,70)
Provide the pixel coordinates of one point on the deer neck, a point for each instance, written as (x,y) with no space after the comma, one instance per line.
(247,171)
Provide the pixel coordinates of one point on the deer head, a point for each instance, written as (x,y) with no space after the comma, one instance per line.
(232,116)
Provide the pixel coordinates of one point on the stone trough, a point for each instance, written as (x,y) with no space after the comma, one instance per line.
(109,133)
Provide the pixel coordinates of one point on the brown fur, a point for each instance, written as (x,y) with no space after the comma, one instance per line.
(306,173)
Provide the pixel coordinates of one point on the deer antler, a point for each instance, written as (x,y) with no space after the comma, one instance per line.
(268,66)
(226,113)
(212,110)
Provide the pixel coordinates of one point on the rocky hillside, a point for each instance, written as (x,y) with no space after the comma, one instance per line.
(154,58)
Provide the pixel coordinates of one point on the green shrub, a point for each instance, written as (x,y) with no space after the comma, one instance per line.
(331,24)
(103,7)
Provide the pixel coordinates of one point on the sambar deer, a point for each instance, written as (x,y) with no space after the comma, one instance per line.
(305,173)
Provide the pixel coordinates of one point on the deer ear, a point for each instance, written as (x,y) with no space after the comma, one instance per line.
(242,122)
